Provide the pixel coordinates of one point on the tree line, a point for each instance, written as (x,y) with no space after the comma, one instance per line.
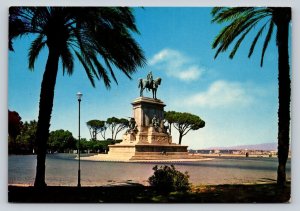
(59,141)
(22,135)
(114,124)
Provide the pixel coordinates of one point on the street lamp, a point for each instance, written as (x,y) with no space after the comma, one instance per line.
(79,95)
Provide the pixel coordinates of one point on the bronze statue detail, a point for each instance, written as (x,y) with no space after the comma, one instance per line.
(132,127)
(149,83)
(155,122)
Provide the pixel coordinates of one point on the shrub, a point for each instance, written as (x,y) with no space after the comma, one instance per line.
(168,179)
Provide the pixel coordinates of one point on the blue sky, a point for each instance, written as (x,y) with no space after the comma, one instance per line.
(236,98)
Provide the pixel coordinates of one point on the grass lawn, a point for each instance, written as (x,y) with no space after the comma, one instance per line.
(252,193)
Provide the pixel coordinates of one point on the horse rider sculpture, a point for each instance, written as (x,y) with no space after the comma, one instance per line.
(150,84)
(150,80)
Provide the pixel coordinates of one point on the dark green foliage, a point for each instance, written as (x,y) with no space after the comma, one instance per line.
(14,129)
(14,124)
(167,179)
(242,21)
(61,141)
(116,125)
(96,126)
(24,142)
(94,146)
(84,32)
(183,122)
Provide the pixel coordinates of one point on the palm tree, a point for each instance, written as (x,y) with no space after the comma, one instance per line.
(89,33)
(242,21)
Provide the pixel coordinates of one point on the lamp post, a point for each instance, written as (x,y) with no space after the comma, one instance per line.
(79,95)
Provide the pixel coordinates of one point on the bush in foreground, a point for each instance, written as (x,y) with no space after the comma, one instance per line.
(168,179)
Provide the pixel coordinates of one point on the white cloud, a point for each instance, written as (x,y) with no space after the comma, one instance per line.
(165,54)
(176,64)
(222,94)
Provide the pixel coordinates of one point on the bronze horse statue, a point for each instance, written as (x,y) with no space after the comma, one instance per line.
(153,85)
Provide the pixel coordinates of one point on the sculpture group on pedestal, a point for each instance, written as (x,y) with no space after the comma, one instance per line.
(155,123)
(160,124)
(132,127)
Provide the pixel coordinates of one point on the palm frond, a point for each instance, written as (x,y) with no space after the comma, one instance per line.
(215,10)
(67,60)
(231,32)
(40,18)
(266,43)
(256,39)
(86,54)
(238,25)
(16,26)
(80,29)
(35,48)
(127,56)
(87,51)
(87,70)
(102,72)
(120,49)
(117,17)
(227,14)
(219,37)
(20,23)
(110,69)
(238,43)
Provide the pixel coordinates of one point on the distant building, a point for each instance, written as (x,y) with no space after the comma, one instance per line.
(270,153)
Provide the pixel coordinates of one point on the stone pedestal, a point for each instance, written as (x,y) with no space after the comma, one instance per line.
(144,109)
(148,140)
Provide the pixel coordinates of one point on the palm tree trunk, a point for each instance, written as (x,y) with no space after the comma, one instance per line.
(45,110)
(284,99)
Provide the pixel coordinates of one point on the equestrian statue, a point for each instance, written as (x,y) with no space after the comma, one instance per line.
(149,83)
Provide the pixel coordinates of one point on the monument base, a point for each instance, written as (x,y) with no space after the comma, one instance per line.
(147,152)
(148,139)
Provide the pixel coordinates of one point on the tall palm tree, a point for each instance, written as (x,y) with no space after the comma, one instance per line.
(89,33)
(242,21)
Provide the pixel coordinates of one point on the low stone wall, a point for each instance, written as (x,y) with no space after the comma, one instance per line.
(160,148)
